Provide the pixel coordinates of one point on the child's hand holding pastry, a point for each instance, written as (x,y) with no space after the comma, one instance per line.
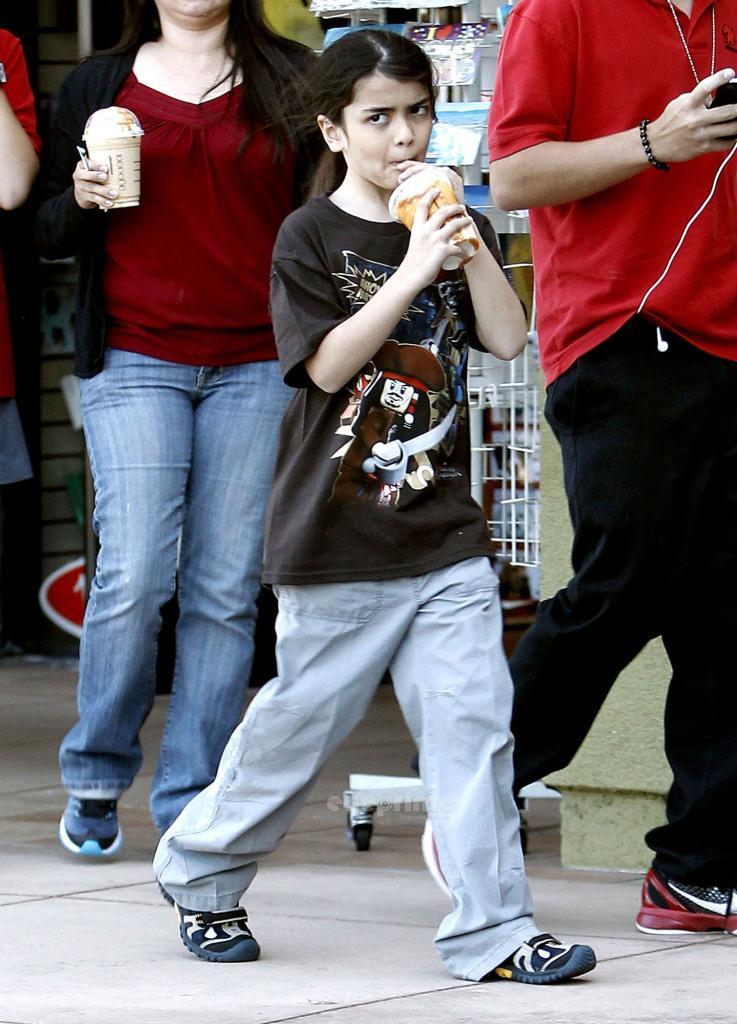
(432,237)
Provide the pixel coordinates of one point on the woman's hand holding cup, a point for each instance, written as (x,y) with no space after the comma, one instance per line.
(91,190)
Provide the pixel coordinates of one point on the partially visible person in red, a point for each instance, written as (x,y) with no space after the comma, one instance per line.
(19,146)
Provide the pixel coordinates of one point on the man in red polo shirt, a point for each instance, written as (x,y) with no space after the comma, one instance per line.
(601,126)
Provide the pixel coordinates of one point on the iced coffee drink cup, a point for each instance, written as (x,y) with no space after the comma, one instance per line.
(405,197)
(113,140)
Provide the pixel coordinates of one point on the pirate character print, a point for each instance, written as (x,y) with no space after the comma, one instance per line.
(402,412)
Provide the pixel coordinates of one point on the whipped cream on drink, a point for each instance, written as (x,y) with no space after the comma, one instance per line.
(113,139)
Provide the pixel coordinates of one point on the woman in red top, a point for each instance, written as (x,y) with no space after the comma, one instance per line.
(19,145)
(181,392)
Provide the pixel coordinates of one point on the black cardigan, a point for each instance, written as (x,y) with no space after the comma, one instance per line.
(63,228)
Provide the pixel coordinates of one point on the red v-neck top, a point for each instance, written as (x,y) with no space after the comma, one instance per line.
(187,272)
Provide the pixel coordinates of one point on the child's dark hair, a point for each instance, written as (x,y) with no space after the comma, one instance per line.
(354,56)
(358,54)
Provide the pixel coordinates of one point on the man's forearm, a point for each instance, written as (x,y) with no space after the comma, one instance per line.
(563,172)
(552,173)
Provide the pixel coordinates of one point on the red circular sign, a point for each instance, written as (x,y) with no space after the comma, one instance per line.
(63,596)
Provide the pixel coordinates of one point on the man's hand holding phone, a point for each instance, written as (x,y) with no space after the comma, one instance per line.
(690,125)
(726,95)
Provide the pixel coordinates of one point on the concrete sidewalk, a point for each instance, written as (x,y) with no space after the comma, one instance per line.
(346,936)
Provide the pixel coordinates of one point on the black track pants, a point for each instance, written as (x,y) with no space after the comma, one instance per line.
(649,446)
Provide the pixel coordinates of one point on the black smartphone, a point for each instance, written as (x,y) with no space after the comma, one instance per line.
(725,94)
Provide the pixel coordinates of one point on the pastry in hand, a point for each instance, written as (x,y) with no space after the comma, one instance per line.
(405,197)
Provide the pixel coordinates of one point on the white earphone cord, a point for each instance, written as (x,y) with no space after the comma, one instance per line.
(687,228)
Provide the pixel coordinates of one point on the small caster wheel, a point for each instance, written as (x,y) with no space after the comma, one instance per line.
(362,836)
(361,826)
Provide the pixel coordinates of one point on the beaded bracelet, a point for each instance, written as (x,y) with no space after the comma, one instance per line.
(657,164)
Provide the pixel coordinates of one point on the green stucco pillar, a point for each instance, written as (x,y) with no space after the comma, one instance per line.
(613,790)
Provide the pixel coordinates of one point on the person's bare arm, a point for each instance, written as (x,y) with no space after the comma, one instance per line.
(350,345)
(562,172)
(500,319)
(19,164)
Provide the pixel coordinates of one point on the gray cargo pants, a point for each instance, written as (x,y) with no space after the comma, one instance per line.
(440,637)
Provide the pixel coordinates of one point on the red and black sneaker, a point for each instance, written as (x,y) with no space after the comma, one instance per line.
(675,908)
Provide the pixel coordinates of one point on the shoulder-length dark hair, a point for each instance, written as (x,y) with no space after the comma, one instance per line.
(272,67)
(344,63)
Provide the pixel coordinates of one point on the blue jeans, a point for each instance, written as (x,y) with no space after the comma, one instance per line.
(182,459)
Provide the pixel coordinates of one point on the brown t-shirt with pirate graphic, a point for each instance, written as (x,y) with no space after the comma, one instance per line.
(371,482)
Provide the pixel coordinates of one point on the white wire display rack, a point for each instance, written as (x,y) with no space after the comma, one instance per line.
(505,428)
(505,450)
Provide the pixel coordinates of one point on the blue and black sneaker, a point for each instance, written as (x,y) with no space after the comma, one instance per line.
(90,827)
(222,936)
(543,960)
